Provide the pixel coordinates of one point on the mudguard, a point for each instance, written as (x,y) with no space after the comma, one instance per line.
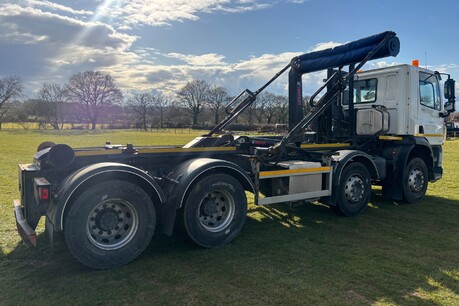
(181,178)
(343,157)
(77,181)
(340,159)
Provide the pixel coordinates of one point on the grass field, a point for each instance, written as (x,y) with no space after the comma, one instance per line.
(393,254)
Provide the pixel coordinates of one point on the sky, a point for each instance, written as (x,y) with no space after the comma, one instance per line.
(160,45)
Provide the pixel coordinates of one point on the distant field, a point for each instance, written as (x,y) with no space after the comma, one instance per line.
(393,254)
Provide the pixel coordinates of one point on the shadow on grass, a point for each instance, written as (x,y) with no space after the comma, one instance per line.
(393,253)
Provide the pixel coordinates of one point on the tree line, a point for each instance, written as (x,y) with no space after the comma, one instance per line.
(92,98)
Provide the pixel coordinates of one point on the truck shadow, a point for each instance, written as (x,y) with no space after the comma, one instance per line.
(388,254)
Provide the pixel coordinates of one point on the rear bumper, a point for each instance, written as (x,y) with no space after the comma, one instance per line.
(26,232)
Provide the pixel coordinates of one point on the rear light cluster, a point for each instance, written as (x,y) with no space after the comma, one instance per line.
(42,190)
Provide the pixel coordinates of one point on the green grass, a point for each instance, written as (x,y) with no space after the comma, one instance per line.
(393,254)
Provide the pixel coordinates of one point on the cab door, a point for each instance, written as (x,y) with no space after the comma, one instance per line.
(429,107)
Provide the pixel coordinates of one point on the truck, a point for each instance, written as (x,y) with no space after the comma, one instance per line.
(451,129)
(376,127)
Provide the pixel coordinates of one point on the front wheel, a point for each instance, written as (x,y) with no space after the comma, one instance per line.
(109,224)
(353,191)
(215,210)
(415,180)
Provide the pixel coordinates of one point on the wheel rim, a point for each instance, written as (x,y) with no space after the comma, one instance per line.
(354,189)
(416,180)
(216,210)
(112,224)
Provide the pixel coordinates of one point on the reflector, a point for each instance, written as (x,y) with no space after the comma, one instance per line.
(44,193)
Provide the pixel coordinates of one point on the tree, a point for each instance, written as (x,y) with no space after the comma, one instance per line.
(193,97)
(10,88)
(142,104)
(281,106)
(217,98)
(161,102)
(266,107)
(54,95)
(261,104)
(93,91)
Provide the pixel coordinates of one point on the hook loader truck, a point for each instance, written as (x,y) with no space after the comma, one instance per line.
(377,127)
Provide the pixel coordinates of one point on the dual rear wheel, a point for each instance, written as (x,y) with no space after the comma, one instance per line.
(112,222)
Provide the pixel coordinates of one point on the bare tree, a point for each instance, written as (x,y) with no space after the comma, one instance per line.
(193,97)
(281,106)
(270,107)
(54,95)
(93,91)
(10,88)
(217,98)
(142,104)
(161,102)
(265,107)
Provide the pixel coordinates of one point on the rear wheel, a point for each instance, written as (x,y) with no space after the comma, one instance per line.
(415,180)
(353,191)
(109,224)
(215,210)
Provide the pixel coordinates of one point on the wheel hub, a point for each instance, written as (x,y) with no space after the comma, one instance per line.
(208,207)
(107,219)
(112,224)
(354,189)
(416,180)
(216,210)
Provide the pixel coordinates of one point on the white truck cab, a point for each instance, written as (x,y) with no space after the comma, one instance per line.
(410,95)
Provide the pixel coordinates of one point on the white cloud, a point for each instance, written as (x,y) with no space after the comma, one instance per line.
(163,12)
(251,73)
(29,22)
(324,45)
(210,59)
(41,46)
(297,1)
(381,64)
(445,68)
(58,7)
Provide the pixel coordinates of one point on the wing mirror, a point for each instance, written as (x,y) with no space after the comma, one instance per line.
(449,89)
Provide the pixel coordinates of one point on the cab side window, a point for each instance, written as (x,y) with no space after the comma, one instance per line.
(365,91)
(429,94)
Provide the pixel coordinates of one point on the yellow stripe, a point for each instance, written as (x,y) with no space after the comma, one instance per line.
(324,145)
(390,138)
(429,135)
(155,150)
(98,152)
(178,150)
(293,171)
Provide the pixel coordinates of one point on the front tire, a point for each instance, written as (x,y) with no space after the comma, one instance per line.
(214,210)
(415,180)
(109,224)
(353,191)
